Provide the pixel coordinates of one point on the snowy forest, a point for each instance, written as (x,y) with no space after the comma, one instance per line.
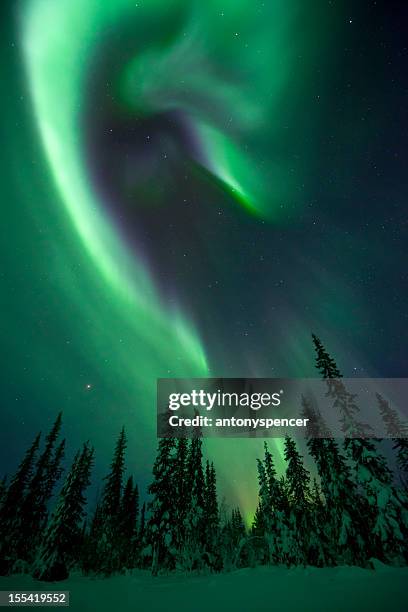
(353,509)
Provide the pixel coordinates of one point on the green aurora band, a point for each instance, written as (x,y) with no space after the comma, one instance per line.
(127,336)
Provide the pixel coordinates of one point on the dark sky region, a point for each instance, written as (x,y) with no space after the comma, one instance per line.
(190,189)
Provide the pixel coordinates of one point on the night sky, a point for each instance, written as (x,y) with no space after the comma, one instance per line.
(189,189)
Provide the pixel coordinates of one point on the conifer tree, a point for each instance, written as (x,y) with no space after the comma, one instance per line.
(386,515)
(34,510)
(299,513)
(111,495)
(11,509)
(128,515)
(195,532)
(297,476)
(109,541)
(398,431)
(211,516)
(141,538)
(318,545)
(129,509)
(60,545)
(324,363)
(161,508)
(273,505)
(344,523)
(182,493)
(142,527)
(382,509)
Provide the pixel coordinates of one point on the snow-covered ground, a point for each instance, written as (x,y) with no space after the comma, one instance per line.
(309,589)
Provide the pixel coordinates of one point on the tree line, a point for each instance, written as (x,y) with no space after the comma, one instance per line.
(354,509)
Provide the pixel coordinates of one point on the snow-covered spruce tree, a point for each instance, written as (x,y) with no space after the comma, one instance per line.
(11,509)
(109,543)
(384,513)
(299,518)
(193,551)
(182,493)
(34,510)
(112,492)
(128,516)
(63,536)
(141,536)
(267,513)
(274,508)
(318,541)
(292,552)
(343,517)
(297,476)
(211,515)
(161,508)
(396,429)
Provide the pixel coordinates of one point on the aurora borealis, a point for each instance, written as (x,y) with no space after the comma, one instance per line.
(189,189)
